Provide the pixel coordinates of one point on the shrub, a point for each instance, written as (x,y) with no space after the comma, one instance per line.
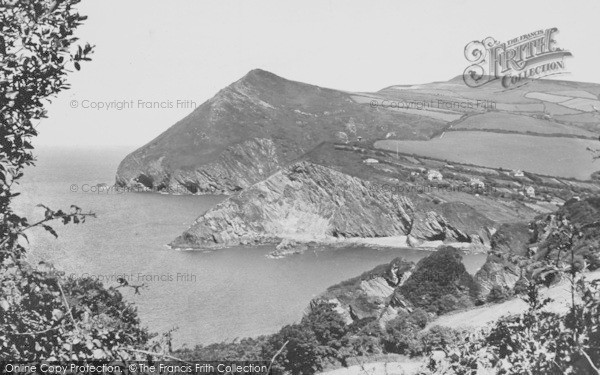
(439,283)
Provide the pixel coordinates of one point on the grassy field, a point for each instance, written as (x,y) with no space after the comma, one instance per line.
(517,123)
(554,156)
(414,107)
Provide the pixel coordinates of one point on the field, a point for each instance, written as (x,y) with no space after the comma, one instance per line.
(554,156)
(581,102)
(413,107)
(519,124)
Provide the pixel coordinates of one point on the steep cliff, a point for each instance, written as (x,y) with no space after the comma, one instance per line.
(307,202)
(502,270)
(438,283)
(253,127)
(521,250)
(370,295)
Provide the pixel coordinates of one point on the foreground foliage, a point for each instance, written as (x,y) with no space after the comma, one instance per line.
(44,316)
(540,341)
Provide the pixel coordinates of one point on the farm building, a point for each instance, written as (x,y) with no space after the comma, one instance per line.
(476,183)
(434,175)
(370,161)
(530,191)
(519,173)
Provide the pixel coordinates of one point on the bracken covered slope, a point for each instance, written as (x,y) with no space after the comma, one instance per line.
(253,127)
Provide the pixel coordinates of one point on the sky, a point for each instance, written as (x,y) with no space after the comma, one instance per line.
(182,52)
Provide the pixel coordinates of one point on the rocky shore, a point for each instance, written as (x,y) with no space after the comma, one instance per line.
(306,204)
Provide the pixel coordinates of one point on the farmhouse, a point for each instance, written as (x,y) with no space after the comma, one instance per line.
(530,191)
(476,183)
(434,175)
(519,173)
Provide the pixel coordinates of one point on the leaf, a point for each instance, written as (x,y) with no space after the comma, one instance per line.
(4,304)
(57,314)
(51,230)
(77,66)
(98,353)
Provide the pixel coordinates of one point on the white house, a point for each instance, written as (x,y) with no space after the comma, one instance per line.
(476,183)
(434,175)
(519,173)
(530,191)
(371,161)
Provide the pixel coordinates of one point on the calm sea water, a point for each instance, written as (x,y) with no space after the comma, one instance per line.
(209,296)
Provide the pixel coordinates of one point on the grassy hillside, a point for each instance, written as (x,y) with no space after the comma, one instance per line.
(508,122)
(213,149)
(294,116)
(554,156)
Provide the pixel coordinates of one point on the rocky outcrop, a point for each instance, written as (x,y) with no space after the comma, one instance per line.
(288,247)
(512,238)
(523,250)
(371,295)
(502,268)
(577,222)
(497,272)
(308,202)
(438,283)
(236,168)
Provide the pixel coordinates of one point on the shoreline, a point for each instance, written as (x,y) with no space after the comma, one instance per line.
(298,244)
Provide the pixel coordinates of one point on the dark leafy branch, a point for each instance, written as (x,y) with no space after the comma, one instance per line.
(43,315)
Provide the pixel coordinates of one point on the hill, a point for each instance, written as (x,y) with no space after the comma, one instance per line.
(253,127)
(262,122)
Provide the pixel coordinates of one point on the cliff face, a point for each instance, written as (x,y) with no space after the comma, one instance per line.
(371,295)
(501,269)
(576,223)
(521,249)
(252,127)
(437,284)
(308,202)
(236,168)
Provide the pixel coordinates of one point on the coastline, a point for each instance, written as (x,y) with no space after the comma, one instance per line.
(298,244)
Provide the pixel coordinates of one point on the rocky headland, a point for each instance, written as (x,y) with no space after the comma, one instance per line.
(253,127)
(310,204)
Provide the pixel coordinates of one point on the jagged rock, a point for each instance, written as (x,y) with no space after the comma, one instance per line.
(497,272)
(309,202)
(371,295)
(522,250)
(512,238)
(287,247)
(501,268)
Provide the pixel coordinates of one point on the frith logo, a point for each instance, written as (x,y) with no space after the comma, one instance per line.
(533,55)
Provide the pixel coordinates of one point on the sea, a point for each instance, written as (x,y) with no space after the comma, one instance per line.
(211,296)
